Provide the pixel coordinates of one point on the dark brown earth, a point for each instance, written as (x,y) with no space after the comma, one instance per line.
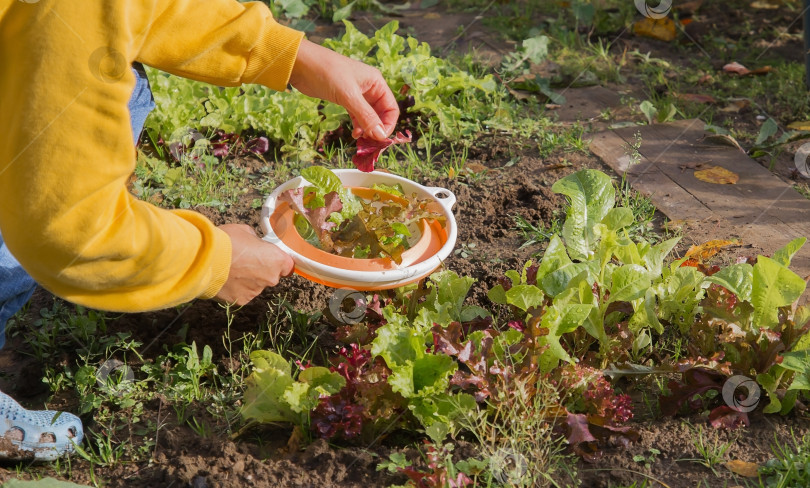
(517,182)
(484,212)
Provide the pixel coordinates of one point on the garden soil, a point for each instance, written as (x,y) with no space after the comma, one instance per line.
(510,179)
(515,182)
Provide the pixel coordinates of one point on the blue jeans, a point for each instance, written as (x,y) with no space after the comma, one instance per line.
(17,286)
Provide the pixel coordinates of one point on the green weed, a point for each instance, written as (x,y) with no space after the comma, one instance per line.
(198,179)
(789,466)
(712,453)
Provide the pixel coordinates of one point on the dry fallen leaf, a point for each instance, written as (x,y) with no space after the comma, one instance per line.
(738,69)
(800,125)
(555,166)
(295,440)
(554,412)
(676,225)
(695,97)
(734,106)
(683,167)
(688,7)
(723,139)
(708,249)
(764,5)
(761,71)
(717,175)
(475,167)
(743,468)
(432,15)
(661,29)
(520,94)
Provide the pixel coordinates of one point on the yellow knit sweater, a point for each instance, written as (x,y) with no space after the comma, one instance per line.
(66,147)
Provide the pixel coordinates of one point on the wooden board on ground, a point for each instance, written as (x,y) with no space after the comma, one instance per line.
(761,210)
(586,104)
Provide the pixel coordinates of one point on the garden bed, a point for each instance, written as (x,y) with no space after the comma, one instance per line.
(180,426)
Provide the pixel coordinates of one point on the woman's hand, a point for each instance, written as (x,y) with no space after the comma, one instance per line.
(255,265)
(322,73)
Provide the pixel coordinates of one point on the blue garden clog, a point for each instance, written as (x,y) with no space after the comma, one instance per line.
(42,435)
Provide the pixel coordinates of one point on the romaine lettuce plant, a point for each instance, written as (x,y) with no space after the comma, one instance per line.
(296,125)
(273,394)
(595,301)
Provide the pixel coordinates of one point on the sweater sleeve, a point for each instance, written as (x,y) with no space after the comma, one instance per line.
(221,42)
(66,149)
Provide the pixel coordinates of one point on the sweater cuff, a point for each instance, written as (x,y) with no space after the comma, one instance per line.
(272,58)
(220,264)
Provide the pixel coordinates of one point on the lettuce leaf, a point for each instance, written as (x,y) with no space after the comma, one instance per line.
(318,217)
(369,150)
(353,227)
(323,182)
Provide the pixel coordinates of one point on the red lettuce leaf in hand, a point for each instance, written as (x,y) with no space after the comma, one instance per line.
(318,217)
(369,150)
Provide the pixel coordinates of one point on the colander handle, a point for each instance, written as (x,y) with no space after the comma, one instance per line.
(445,197)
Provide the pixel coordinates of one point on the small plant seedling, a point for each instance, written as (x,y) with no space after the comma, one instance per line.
(466,250)
(712,452)
(535,233)
(394,463)
(649,459)
(789,465)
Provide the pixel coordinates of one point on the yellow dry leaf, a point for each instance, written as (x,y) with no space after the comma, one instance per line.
(451,172)
(475,167)
(661,29)
(764,5)
(717,175)
(799,125)
(743,468)
(735,105)
(723,139)
(295,440)
(675,225)
(708,249)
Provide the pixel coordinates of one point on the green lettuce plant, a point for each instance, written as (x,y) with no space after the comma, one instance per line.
(460,103)
(273,394)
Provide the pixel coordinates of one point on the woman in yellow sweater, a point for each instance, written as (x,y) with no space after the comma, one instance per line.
(67,221)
